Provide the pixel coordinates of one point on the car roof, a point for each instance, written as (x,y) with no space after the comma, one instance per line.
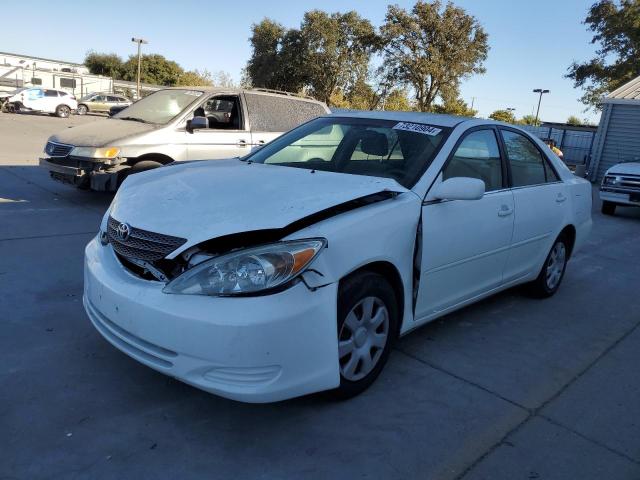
(236,90)
(417,117)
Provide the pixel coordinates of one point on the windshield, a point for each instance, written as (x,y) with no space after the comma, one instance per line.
(379,148)
(160,107)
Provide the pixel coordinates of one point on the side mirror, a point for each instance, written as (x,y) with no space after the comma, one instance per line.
(197,123)
(459,188)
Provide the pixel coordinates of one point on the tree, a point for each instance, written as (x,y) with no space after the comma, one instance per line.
(328,55)
(503,116)
(573,120)
(398,100)
(196,78)
(156,69)
(107,64)
(338,47)
(432,49)
(616,28)
(529,120)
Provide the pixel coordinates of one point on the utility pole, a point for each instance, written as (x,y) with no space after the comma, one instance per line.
(139,41)
(541,92)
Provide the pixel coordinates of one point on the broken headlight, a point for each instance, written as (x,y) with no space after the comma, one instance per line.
(248,271)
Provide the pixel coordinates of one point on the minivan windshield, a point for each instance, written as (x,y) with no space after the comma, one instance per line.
(358,146)
(160,107)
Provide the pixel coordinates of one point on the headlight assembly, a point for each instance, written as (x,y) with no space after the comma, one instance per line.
(91,152)
(248,271)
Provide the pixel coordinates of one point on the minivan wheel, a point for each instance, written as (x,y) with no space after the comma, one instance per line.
(367,328)
(63,111)
(608,208)
(82,110)
(552,273)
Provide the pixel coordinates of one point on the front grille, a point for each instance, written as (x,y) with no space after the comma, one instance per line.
(54,149)
(142,244)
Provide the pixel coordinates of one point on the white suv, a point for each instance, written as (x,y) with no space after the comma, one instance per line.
(44,100)
(620,187)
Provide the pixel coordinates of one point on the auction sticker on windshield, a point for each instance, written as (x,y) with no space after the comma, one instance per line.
(418,128)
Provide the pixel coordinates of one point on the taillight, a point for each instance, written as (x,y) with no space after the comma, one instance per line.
(72,97)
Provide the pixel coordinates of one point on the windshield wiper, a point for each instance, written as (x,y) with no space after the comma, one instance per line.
(133,119)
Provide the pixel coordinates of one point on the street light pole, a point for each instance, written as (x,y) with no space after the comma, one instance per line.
(139,41)
(541,92)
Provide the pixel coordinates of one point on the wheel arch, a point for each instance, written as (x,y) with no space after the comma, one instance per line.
(390,272)
(569,231)
(153,157)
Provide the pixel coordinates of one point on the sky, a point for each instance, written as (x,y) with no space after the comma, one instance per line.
(532,42)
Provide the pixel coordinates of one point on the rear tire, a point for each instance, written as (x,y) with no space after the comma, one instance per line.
(82,110)
(608,208)
(63,111)
(552,273)
(367,329)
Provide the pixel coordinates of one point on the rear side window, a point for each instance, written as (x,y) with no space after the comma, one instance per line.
(50,93)
(478,156)
(271,113)
(527,163)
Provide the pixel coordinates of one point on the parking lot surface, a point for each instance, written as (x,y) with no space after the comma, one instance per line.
(510,388)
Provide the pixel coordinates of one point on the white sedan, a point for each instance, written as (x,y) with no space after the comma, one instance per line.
(295,269)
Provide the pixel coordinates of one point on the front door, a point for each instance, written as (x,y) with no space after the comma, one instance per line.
(466,243)
(226,136)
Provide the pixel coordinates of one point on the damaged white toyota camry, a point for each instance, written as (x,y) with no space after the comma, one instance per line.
(294,269)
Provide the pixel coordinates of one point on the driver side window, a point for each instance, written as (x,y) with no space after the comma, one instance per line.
(478,156)
(222,112)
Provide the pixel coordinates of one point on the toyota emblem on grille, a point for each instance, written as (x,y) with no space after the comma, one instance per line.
(123,232)
(49,149)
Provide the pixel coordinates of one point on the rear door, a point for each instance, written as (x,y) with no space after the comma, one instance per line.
(227,135)
(270,115)
(541,203)
(466,242)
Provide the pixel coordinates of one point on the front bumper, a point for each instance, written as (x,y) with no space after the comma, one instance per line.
(87,173)
(252,349)
(619,196)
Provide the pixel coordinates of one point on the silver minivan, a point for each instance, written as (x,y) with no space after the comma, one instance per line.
(173,124)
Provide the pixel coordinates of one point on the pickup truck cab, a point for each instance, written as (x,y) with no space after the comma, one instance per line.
(173,124)
(620,187)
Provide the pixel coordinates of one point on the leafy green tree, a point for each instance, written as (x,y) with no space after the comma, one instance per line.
(107,64)
(196,78)
(503,116)
(432,49)
(573,120)
(616,29)
(156,69)
(338,48)
(398,100)
(529,120)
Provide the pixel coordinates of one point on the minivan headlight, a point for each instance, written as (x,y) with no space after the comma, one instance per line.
(248,271)
(92,152)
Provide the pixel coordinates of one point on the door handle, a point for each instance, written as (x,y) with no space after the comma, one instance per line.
(560,198)
(241,143)
(260,142)
(505,211)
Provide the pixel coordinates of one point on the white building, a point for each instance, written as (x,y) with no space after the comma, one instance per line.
(26,71)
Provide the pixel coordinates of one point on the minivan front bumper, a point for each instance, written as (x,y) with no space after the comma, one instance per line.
(84,173)
(253,349)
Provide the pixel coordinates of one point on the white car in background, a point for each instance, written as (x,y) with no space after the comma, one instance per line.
(294,269)
(45,100)
(620,187)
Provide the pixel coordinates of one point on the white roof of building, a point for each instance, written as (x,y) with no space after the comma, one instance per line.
(628,91)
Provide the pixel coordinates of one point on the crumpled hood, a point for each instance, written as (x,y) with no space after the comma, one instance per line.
(628,168)
(204,200)
(101,134)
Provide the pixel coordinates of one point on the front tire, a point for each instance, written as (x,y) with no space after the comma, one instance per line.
(367,329)
(608,208)
(552,273)
(82,110)
(63,111)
